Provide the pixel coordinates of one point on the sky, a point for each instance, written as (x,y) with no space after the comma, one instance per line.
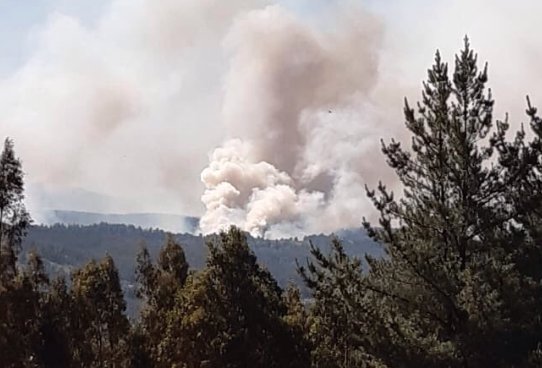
(266,114)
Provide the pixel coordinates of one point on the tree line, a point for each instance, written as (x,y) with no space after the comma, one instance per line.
(460,284)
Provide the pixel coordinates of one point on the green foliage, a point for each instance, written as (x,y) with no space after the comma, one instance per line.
(14,219)
(160,284)
(232,314)
(460,285)
(20,316)
(71,246)
(19,291)
(100,326)
(48,324)
(337,335)
(56,326)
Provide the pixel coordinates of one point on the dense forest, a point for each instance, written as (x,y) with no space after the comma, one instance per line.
(64,248)
(459,283)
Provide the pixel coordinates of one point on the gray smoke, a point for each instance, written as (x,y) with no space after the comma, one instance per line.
(126,106)
(293,94)
(301,124)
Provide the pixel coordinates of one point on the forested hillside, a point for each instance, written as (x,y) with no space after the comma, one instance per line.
(168,222)
(66,247)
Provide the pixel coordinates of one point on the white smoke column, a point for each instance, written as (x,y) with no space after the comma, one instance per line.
(300,121)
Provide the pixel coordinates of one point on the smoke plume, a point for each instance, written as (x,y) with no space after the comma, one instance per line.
(300,122)
(266,114)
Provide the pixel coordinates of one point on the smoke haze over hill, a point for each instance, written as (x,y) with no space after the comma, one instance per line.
(265,114)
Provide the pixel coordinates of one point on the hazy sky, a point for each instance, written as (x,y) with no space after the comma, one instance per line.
(128,99)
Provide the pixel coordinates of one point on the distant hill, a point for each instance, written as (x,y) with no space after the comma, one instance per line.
(64,247)
(168,222)
(50,204)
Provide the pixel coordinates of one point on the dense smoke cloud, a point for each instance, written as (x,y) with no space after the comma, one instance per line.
(300,120)
(125,106)
(270,112)
(305,107)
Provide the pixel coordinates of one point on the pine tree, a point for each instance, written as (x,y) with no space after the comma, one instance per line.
(337,329)
(456,288)
(297,321)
